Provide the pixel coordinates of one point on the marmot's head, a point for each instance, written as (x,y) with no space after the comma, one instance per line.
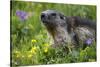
(56,24)
(52,19)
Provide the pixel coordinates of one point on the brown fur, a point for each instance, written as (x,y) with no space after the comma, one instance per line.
(67,30)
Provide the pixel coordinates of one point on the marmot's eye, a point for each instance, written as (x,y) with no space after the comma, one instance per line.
(61,17)
(53,14)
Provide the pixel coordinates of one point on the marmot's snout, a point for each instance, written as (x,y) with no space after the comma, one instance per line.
(44,17)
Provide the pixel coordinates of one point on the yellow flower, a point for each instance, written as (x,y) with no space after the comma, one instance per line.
(33,41)
(17,52)
(46,50)
(17,55)
(33,50)
(30,55)
(46,45)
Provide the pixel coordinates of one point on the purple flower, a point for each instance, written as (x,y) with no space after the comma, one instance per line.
(22,15)
(88,41)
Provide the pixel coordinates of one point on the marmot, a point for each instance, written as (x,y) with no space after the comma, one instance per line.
(68,30)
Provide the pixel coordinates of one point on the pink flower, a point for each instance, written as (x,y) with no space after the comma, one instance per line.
(88,41)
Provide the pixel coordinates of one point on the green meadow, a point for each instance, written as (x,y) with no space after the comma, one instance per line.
(30,43)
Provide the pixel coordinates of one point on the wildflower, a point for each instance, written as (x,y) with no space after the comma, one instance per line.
(30,55)
(46,45)
(46,50)
(33,41)
(17,56)
(88,41)
(17,52)
(33,50)
(22,15)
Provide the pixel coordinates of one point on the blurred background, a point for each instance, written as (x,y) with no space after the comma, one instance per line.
(30,41)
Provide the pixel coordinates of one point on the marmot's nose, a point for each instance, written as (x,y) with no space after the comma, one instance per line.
(43,16)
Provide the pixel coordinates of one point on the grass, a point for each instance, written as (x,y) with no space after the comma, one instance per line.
(30,43)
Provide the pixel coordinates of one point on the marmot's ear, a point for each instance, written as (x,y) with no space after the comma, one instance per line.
(71,23)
